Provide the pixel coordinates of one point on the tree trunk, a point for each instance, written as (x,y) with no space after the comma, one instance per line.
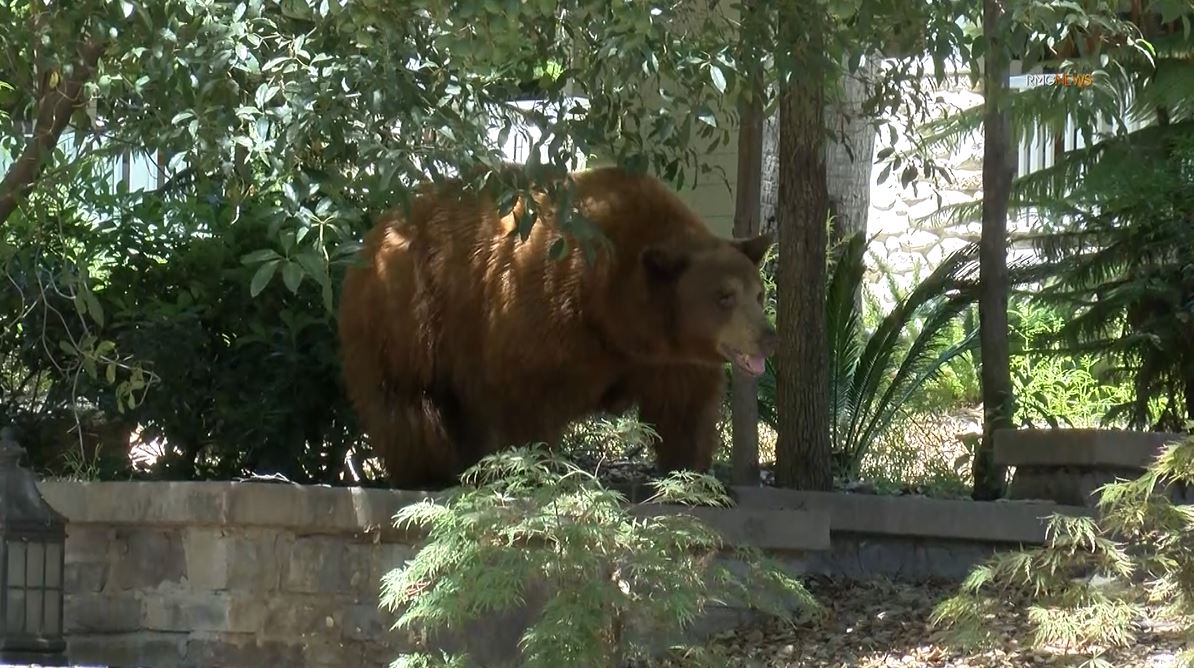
(802,384)
(61,93)
(998,402)
(744,400)
(769,189)
(849,156)
(849,160)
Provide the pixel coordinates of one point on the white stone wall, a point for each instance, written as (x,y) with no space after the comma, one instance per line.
(909,241)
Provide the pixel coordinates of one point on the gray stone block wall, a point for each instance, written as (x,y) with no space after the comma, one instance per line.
(1070,466)
(233,596)
(909,559)
(240,574)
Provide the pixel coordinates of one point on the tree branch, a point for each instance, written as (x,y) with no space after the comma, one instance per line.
(56,105)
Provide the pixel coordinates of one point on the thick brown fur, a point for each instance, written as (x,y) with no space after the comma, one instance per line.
(459,338)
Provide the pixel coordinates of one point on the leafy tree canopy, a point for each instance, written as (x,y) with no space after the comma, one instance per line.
(281,126)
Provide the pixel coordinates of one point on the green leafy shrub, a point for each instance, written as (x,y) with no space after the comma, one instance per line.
(924,456)
(52,338)
(609,436)
(1120,256)
(617,583)
(248,382)
(237,376)
(1095,577)
(874,375)
(1113,232)
(1054,385)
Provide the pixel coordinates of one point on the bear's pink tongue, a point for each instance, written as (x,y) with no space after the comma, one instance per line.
(752,364)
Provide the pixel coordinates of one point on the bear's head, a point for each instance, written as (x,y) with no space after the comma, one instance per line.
(713,296)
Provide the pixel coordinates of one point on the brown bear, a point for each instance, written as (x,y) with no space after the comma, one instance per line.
(458,337)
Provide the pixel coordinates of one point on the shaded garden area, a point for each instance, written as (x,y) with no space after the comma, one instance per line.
(185,182)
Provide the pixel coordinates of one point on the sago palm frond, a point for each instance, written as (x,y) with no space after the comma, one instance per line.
(873,376)
(844,322)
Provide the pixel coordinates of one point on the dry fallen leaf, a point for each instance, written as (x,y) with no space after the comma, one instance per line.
(886,625)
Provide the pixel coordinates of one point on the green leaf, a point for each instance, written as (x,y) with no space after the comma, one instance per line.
(292,276)
(288,240)
(260,256)
(883,175)
(327,296)
(526,220)
(265,93)
(262,277)
(273,63)
(313,264)
(908,175)
(93,306)
(719,78)
(290,193)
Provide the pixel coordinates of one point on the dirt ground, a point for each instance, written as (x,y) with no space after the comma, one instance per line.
(886,625)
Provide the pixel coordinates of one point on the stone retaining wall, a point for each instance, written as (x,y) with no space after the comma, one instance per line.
(244,574)
(1071,465)
(215,574)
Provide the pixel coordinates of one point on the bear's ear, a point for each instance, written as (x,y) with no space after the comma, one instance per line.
(754,248)
(664,263)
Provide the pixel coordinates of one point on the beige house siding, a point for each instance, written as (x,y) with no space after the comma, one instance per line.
(714,193)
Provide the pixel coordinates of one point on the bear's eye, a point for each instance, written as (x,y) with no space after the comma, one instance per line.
(726,300)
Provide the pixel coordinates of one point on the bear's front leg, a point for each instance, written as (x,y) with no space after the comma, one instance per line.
(683,403)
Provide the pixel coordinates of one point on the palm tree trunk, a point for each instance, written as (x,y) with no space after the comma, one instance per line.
(802,384)
(744,399)
(849,156)
(998,401)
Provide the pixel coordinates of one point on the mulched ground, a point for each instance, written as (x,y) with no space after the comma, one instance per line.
(882,624)
(886,625)
(625,473)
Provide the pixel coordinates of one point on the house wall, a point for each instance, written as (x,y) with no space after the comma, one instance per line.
(909,237)
(713,194)
(908,240)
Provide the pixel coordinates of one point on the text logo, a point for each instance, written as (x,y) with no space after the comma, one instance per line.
(1080,80)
